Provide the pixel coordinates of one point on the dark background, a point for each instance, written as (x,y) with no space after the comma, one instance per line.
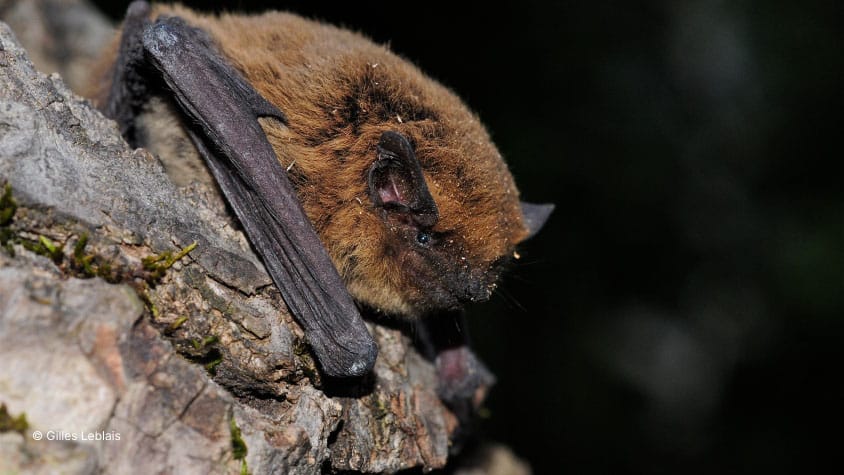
(682,311)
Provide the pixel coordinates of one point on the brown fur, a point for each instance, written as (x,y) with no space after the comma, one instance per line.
(340,92)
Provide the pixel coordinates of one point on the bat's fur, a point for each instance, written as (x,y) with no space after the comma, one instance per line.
(340,92)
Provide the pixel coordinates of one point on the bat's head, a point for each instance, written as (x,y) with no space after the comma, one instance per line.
(431,214)
(410,196)
(449,222)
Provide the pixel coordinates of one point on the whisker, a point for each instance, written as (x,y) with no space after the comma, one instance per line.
(510,299)
(530,263)
(518,277)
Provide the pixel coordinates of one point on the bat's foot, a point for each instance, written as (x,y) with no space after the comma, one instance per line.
(463,377)
(464,380)
(463,385)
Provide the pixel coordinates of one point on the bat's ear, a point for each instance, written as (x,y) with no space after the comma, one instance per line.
(397,185)
(535,216)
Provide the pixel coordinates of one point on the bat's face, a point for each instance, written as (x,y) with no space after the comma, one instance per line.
(449,221)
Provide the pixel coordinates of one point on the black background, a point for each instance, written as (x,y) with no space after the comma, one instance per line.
(682,311)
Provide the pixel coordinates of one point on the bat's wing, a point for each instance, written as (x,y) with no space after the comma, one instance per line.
(222,110)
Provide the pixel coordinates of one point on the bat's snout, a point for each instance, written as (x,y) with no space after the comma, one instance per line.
(478,287)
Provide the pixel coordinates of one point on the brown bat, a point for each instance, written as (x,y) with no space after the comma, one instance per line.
(355,176)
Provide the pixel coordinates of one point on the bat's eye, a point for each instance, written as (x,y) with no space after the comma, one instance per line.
(423,237)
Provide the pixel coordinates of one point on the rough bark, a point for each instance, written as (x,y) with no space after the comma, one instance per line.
(63,36)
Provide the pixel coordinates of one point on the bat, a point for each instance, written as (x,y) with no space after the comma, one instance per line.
(358,180)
